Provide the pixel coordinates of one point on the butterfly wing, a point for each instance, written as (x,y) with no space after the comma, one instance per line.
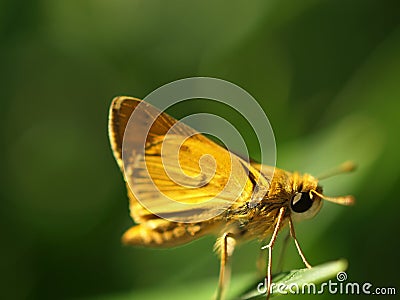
(180,175)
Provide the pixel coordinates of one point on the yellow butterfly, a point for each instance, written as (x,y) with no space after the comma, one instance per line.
(212,190)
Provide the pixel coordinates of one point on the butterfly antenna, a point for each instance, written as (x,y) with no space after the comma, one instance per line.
(345,167)
(342,200)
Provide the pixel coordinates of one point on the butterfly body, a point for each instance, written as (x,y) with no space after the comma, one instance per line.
(182,186)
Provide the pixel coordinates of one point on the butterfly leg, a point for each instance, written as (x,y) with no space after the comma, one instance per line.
(225,244)
(270,246)
(293,234)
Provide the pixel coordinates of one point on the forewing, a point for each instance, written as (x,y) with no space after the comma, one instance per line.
(181,174)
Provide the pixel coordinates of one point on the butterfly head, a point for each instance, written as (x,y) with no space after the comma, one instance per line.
(301,194)
(306,197)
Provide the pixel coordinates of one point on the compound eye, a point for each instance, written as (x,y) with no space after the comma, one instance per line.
(301,202)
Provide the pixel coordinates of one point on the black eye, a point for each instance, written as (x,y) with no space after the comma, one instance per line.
(301,202)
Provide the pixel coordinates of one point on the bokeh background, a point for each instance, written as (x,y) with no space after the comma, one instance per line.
(325,72)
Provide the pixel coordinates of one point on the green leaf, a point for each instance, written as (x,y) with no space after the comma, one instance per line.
(205,289)
(297,278)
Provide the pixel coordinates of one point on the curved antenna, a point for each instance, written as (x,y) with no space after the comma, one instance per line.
(342,200)
(346,167)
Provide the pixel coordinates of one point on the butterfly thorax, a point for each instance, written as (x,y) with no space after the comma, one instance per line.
(257,220)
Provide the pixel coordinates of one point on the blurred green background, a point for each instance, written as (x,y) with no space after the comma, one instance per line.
(325,72)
